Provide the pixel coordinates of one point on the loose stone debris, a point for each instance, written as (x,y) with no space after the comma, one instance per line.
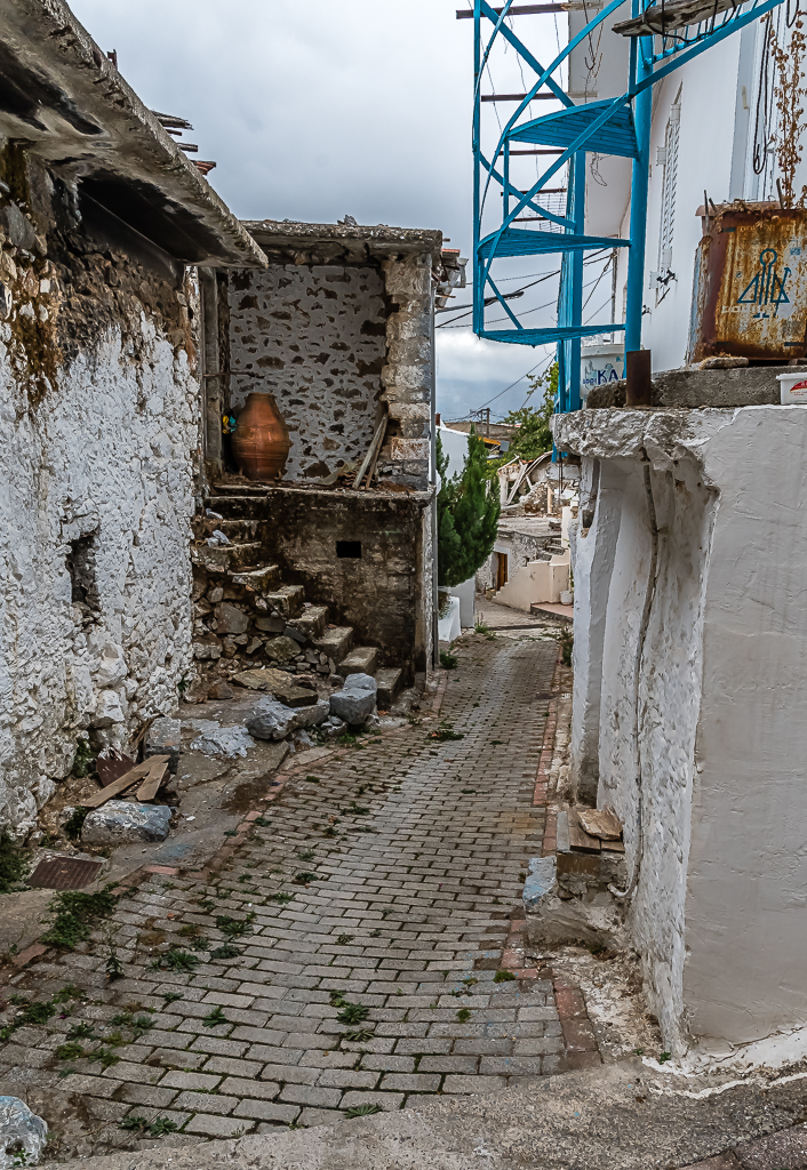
(23,1135)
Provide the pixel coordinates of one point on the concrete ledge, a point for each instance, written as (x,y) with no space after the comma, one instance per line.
(624,1116)
(693,387)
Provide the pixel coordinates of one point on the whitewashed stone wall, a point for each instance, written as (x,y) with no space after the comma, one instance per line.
(100,446)
(690,678)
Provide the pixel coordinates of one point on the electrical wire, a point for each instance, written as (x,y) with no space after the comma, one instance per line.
(466,311)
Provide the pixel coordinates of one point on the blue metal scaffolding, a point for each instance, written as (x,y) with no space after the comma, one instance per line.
(663,37)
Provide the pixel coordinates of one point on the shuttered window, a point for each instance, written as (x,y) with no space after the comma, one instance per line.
(669,189)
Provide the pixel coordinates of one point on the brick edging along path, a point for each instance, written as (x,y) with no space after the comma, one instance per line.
(352,946)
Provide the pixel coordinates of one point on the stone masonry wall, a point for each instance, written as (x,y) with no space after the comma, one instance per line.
(313,335)
(381,592)
(99,411)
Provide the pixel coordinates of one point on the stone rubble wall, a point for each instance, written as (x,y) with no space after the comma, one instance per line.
(313,335)
(99,405)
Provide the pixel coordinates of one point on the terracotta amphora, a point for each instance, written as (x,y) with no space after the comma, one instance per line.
(261,441)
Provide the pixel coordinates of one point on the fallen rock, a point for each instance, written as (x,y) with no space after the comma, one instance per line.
(279,683)
(271,720)
(312,715)
(121,821)
(274,720)
(355,703)
(220,690)
(229,742)
(23,1135)
(230,619)
(164,738)
(281,649)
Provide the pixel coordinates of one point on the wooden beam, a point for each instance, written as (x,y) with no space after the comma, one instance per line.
(517,10)
(518,97)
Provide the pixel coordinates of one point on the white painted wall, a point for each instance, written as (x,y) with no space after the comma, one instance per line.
(541,582)
(109,450)
(692,679)
(455,449)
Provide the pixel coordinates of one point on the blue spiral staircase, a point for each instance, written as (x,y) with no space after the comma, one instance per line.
(662,38)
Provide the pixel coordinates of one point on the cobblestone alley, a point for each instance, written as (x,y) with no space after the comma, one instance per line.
(348,954)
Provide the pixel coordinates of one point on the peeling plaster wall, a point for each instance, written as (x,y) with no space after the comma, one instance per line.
(693,686)
(313,335)
(99,406)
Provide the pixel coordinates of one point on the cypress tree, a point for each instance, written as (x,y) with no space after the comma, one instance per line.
(467,515)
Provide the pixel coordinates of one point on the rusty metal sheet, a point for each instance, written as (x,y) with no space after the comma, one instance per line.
(64,873)
(750,290)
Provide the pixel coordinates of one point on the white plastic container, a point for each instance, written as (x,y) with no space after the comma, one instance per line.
(792,388)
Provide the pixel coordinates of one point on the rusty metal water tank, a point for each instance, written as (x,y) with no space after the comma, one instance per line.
(749,296)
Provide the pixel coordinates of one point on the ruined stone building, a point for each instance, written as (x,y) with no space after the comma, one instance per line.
(114,372)
(339,327)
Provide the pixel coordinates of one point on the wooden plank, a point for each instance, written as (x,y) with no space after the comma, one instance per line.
(379,431)
(151,785)
(518,10)
(125,782)
(579,838)
(613,847)
(600,822)
(376,454)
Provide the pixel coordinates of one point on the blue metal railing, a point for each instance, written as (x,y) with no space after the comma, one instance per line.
(619,126)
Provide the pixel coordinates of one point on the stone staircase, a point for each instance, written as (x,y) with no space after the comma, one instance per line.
(246,616)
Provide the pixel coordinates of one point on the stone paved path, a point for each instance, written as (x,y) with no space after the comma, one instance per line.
(348,956)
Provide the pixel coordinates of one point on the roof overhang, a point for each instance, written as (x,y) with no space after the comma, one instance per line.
(63,96)
(354,240)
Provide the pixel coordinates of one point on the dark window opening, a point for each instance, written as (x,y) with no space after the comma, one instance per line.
(82,570)
(348,548)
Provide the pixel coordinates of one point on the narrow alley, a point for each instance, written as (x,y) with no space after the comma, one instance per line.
(347,956)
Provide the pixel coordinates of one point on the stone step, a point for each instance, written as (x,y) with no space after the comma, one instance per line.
(288,600)
(239,529)
(390,681)
(261,579)
(239,555)
(240,489)
(236,507)
(312,620)
(335,642)
(360,660)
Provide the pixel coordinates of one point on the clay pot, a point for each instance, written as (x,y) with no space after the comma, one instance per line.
(261,441)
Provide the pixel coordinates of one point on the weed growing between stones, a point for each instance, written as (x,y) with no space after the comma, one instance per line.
(444,732)
(304,878)
(226,951)
(448,661)
(485,631)
(74,823)
(234,927)
(566,643)
(157,1127)
(13,863)
(358,1035)
(306,854)
(463,1015)
(362,1110)
(214,1018)
(75,914)
(503,976)
(176,959)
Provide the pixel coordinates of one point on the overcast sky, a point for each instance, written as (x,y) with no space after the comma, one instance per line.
(313,109)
